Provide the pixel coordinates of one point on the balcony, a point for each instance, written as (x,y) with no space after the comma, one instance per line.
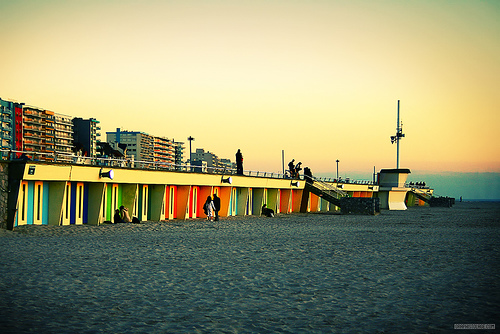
(29,120)
(32,113)
(33,128)
(6,111)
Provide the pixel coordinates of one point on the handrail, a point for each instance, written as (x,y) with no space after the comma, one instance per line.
(324,186)
(6,154)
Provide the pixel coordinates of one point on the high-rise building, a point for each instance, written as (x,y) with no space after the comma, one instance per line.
(179,152)
(86,135)
(38,133)
(213,162)
(163,151)
(7,127)
(63,137)
(11,127)
(139,144)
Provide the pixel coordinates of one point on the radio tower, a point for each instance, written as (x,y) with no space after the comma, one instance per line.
(397,137)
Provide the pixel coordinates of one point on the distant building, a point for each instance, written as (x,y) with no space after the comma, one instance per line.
(139,144)
(227,164)
(7,126)
(86,136)
(38,133)
(63,137)
(213,162)
(145,147)
(200,155)
(179,152)
(163,151)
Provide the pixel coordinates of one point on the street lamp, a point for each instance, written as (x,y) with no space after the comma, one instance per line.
(190,140)
(337,161)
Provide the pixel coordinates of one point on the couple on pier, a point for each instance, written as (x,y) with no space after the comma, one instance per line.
(294,169)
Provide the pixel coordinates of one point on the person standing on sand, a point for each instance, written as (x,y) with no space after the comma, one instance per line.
(216,207)
(208,208)
(239,163)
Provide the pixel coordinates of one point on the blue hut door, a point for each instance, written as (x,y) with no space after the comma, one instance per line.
(79,204)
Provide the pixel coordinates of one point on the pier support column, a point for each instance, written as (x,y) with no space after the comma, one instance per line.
(242,201)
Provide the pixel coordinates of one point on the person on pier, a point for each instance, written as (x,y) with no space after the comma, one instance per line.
(239,163)
(291,168)
(297,170)
(308,175)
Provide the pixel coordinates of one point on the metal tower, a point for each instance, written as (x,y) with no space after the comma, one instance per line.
(397,137)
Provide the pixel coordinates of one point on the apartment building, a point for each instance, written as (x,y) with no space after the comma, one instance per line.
(38,133)
(63,137)
(144,147)
(7,126)
(43,134)
(86,135)
(179,152)
(163,150)
(211,159)
(139,144)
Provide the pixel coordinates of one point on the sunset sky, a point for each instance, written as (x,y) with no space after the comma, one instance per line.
(317,79)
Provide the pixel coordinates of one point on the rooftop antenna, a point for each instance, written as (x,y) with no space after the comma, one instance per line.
(397,137)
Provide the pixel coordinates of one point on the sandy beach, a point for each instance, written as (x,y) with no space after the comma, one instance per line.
(420,270)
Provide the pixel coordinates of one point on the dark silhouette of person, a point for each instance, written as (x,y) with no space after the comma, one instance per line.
(291,168)
(117,218)
(208,208)
(267,212)
(308,175)
(216,201)
(297,169)
(124,215)
(239,163)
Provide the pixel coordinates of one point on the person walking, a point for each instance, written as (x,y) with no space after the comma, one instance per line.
(208,208)
(216,207)
(239,163)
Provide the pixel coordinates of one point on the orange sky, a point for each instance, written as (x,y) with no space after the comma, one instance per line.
(318,79)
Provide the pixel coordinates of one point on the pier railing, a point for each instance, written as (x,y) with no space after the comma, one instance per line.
(14,155)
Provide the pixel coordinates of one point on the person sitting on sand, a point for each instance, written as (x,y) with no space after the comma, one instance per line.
(124,214)
(267,212)
(117,218)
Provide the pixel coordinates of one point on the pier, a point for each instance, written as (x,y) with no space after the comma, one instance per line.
(52,193)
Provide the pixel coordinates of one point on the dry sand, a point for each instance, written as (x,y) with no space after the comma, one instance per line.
(420,270)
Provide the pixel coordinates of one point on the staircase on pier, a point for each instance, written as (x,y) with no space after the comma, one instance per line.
(337,197)
(421,194)
(324,190)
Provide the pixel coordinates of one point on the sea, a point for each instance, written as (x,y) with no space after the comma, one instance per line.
(422,270)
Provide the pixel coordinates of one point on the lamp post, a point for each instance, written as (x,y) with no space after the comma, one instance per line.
(190,140)
(337,161)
